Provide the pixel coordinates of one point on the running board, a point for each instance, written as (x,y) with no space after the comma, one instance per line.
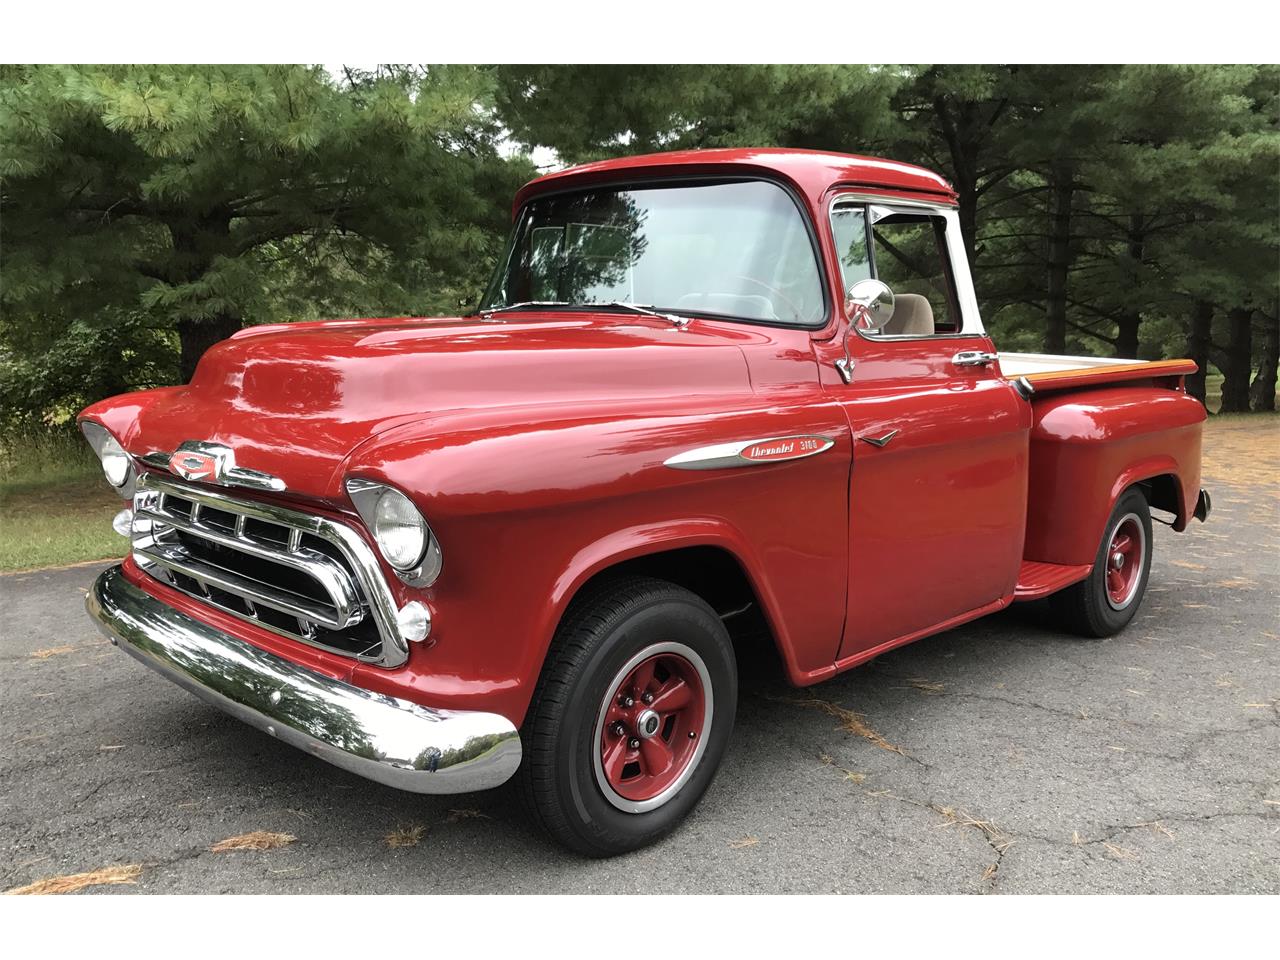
(1036,579)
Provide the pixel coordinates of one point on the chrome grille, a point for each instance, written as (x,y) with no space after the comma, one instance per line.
(305,577)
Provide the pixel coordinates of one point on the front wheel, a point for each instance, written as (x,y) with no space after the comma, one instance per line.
(630,718)
(1103,603)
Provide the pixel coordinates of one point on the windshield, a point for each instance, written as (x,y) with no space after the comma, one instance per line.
(739,250)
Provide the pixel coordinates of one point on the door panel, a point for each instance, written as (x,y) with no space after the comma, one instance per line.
(937,513)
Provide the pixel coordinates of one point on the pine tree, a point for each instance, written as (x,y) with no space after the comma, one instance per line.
(207,197)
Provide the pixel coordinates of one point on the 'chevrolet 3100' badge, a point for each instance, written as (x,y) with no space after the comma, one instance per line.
(747,453)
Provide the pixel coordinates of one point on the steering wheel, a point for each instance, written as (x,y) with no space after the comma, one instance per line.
(795,310)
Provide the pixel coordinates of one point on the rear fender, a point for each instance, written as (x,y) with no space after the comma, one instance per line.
(1088,447)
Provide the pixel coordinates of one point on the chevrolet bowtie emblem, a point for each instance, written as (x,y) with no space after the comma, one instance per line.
(194,466)
(208,462)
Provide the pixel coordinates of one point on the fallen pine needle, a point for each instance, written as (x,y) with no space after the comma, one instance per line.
(456,815)
(850,722)
(257,840)
(1120,853)
(929,687)
(48,652)
(78,881)
(744,842)
(404,836)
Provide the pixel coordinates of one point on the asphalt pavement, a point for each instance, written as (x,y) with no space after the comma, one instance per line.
(1001,757)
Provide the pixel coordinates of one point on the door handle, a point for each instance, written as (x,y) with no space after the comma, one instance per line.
(973,358)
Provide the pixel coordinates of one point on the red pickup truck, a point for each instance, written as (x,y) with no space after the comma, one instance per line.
(707,395)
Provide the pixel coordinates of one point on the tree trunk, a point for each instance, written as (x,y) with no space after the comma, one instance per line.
(1127,324)
(1062,186)
(1235,383)
(196,244)
(967,200)
(197,336)
(1262,395)
(1130,319)
(1199,340)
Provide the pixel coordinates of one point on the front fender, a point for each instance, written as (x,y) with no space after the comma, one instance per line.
(528,511)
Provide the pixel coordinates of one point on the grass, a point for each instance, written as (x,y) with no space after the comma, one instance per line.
(55,506)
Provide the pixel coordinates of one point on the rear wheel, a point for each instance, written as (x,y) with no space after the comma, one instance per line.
(1103,603)
(630,718)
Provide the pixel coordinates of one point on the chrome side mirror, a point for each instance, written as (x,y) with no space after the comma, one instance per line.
(869,308)
(870,305)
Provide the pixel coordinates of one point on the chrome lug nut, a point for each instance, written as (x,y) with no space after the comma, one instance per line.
(647,698)
(628,702)
(619,729)
(633,743)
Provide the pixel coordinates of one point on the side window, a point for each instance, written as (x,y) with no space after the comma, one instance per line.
(908,251)
(849,226)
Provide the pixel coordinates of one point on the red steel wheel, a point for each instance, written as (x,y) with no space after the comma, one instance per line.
(652,727)
(1126,551)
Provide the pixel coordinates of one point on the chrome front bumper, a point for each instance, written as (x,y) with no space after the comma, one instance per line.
(382,738)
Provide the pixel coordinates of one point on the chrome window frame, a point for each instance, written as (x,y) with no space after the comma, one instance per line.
(967,301)
(358,553)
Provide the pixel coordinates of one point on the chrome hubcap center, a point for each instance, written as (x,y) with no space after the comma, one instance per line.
(1117,560)
(648,723)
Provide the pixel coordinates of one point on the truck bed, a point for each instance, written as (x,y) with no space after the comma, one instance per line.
(1047,372)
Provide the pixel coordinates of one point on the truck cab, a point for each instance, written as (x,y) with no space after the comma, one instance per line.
(702,388)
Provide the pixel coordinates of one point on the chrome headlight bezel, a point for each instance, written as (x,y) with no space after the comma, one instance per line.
(422,571)
(112,457)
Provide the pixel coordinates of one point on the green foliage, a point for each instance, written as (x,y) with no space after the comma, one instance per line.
(1103,207)
(193,200)
(148,211)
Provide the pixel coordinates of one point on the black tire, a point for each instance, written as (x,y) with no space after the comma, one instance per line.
(600,635)
(1085,607)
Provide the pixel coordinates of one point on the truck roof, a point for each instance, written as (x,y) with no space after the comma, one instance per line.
(812,172)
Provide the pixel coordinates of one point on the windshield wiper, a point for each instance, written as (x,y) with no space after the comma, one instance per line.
(643,308)
(647,309)
(490,311)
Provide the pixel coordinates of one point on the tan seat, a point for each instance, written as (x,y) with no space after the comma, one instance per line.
(912,316)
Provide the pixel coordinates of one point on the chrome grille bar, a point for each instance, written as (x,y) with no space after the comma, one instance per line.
(333,578)
(254,592)
(253,559)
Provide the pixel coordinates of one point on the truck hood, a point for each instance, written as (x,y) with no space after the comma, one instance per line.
(294,400)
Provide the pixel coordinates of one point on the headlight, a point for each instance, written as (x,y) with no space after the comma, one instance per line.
(117,465)
(399,530)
